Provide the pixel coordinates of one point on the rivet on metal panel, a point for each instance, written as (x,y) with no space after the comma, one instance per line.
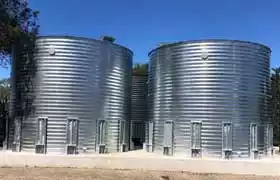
(204,56)
(52,51)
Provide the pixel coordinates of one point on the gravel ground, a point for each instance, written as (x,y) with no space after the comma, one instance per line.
(101,174)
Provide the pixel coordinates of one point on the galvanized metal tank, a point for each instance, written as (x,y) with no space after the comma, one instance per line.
(78,83)
(139,107)
(209,98)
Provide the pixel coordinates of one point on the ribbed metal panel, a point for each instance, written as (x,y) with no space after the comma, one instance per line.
(22,75)
(13,99)
(139,107)
(84,78)
(209,81)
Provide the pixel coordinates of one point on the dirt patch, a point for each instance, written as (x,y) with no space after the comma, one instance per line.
(101,174)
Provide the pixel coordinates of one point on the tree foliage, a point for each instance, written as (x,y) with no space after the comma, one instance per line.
(5,90)
(5,93)
(17,22)
(275,103)
(140,69)
(18,31)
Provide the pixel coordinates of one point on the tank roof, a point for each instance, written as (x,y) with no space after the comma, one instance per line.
(81,38)
(206,40)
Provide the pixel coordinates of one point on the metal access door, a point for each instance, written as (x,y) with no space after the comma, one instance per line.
(227,140)
(196,135)
(270,138)
(72,131)
(227,136)
(196,138)
(254,137)
(41,140)
(16,146)
(72,135)
(122,135)
(168,138)
(254,141)
(101,136)
(149,136)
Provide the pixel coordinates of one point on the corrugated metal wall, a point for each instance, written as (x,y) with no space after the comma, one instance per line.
(209,82)
(83,78)
(22,94)
(139,107)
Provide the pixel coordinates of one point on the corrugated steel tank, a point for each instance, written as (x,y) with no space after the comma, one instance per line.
(139,107)
(211,83)
(83,79)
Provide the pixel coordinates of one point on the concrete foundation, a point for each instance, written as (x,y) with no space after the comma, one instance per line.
(144,161)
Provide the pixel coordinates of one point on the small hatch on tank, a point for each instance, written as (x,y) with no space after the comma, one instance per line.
(108,38)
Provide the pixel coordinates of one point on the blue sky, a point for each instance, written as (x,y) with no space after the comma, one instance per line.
(141,25)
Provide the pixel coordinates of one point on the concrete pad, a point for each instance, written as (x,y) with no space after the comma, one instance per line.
(142,160)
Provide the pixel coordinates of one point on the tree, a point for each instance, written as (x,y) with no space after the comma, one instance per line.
(5,89)
(18,31)
(275,103)
(18,22)
(5,92)
(140,69)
